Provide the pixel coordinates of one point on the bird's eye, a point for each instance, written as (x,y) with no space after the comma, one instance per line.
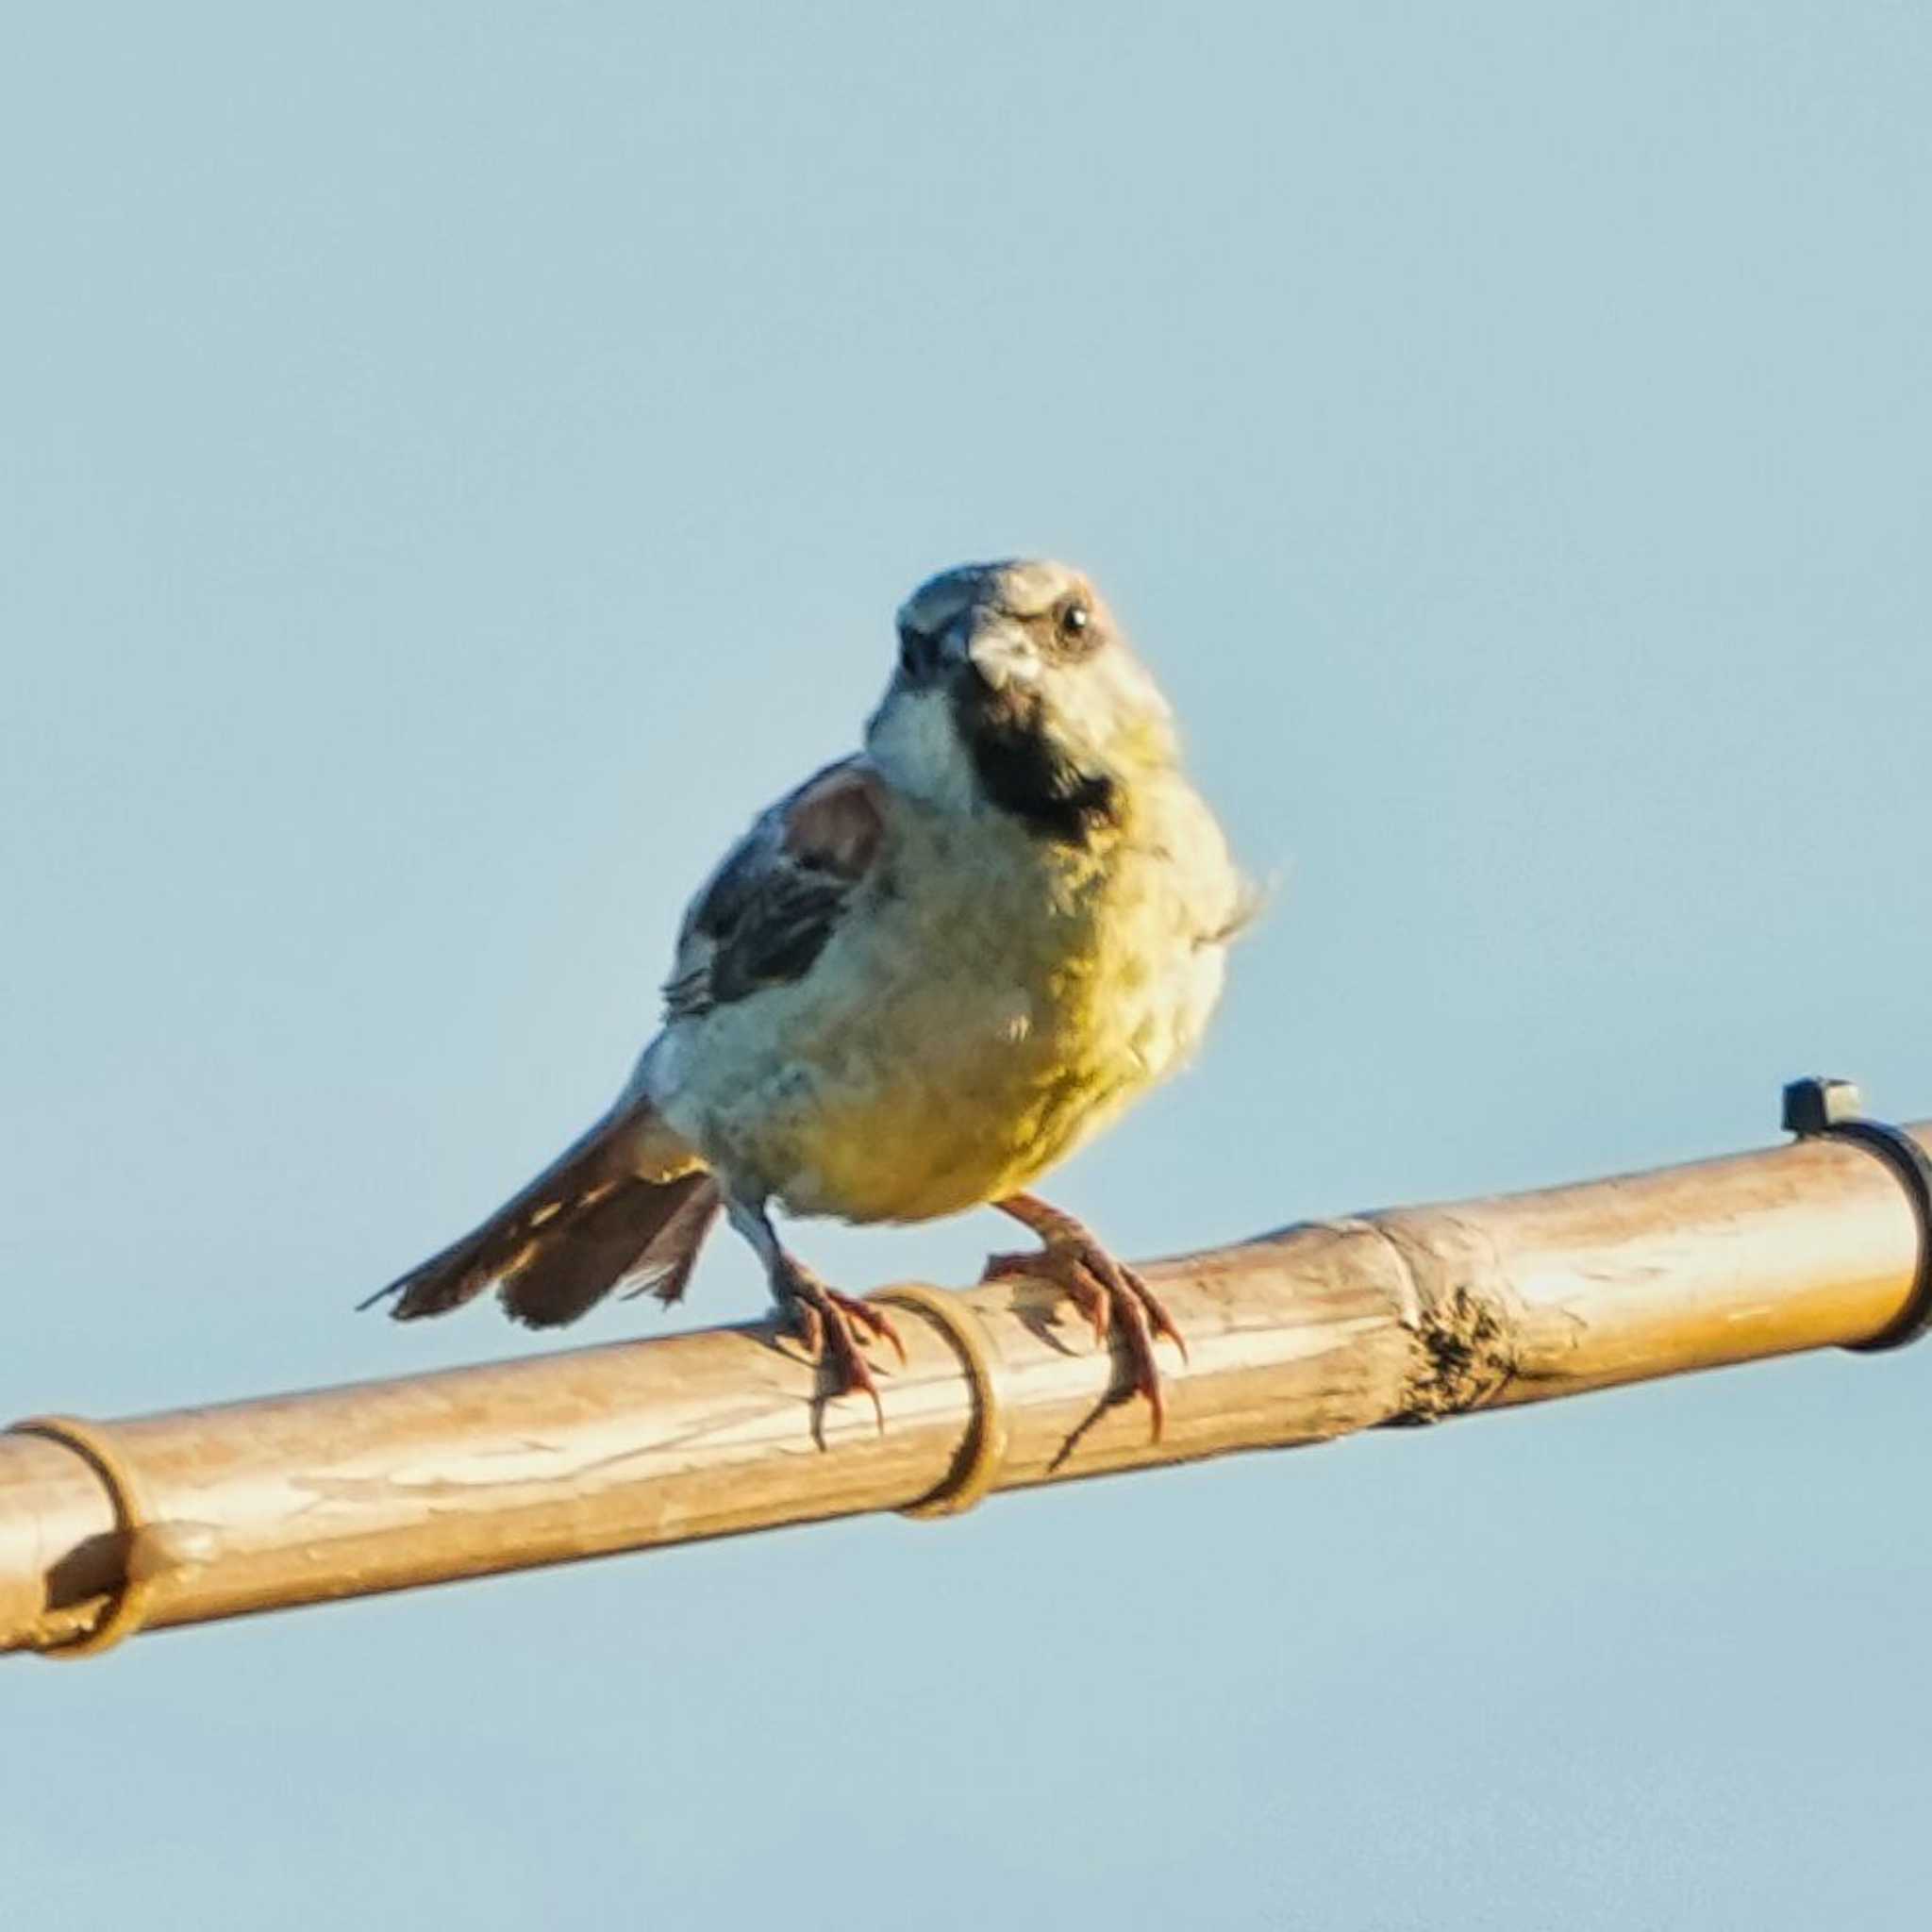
(1074,619)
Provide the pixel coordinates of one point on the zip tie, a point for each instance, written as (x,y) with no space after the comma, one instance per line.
(126,1607)
(977,1465)
(1818,1109)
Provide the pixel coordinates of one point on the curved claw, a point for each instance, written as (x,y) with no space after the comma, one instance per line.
(1109,1294)
(825,1320)
(1158,1320)
(871,1317)
(1073,1273)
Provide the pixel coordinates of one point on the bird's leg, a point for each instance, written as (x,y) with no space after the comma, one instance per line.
(1109,1292)
(825,1320)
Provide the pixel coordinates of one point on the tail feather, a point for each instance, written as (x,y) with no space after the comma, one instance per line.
(589,1222)
(664,1267)
(642,1236)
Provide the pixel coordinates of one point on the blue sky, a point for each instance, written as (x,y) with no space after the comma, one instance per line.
(459,465)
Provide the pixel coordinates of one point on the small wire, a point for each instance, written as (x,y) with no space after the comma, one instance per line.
(977,1466)
(127,1609)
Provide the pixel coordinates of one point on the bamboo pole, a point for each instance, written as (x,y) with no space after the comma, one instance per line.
(1295,1337)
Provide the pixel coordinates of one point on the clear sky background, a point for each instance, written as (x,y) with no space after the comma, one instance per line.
(458,463)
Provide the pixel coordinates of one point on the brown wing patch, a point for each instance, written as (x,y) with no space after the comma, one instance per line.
(770,909)
(834,823)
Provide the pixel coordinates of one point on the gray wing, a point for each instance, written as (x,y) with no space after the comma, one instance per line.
(765,915)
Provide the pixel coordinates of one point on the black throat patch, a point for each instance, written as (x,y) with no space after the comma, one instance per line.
(1025,773)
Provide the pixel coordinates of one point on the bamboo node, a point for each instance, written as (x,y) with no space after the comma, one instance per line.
(1456,1307)
(975,1470)
(127,1609)
(1466,1351)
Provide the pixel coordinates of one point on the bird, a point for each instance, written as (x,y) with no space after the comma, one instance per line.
(921,980)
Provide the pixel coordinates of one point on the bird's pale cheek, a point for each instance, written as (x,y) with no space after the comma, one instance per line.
(913,740)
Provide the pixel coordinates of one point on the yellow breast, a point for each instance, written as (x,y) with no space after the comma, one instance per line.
(1021,997)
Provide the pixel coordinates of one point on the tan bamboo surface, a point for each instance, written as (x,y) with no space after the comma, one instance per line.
(1295,1337)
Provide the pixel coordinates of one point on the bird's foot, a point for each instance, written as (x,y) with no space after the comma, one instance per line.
(829,1325)
(1111,1294)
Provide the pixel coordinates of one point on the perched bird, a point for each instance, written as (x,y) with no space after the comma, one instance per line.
(917,982)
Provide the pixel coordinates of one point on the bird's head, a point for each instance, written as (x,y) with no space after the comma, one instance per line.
(1015,690)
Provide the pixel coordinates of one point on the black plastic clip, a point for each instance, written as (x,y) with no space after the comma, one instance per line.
(1820,1109)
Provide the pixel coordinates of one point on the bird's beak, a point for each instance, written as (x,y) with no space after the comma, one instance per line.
(991,647)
